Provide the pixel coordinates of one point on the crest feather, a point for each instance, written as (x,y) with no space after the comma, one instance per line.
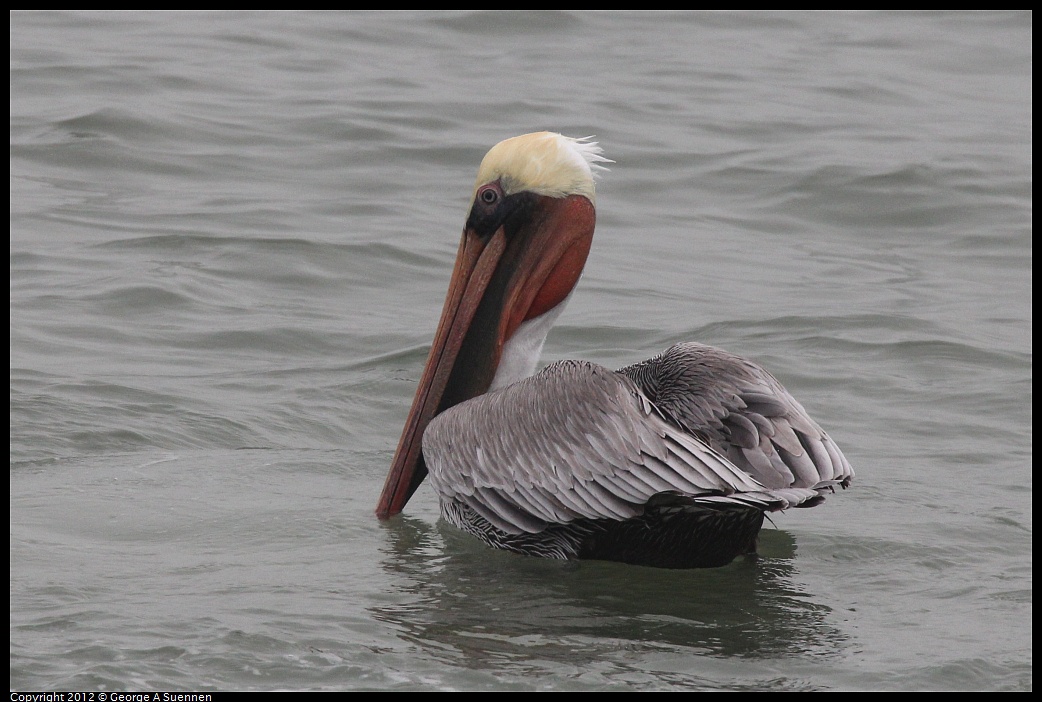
(545,163)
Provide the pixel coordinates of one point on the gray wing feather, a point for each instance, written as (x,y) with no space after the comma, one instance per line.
(744,413)
(578,441)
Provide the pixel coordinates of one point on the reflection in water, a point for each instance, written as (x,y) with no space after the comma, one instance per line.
(488,609)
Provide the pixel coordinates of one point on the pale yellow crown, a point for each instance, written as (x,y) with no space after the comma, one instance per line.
(544,163)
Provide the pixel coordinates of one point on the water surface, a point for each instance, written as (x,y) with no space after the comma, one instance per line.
(230,239)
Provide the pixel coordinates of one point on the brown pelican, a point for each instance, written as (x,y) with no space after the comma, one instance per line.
(671,462)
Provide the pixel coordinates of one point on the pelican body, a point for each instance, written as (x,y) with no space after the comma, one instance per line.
(671,462)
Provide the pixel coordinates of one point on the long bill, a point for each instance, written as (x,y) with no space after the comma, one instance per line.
(517,273)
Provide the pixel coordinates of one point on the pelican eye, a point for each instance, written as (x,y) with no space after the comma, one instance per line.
(489,196)
(493,208)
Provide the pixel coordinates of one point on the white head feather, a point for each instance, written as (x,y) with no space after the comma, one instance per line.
(545,163)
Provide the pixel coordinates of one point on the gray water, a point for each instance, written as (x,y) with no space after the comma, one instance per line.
(230,239)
